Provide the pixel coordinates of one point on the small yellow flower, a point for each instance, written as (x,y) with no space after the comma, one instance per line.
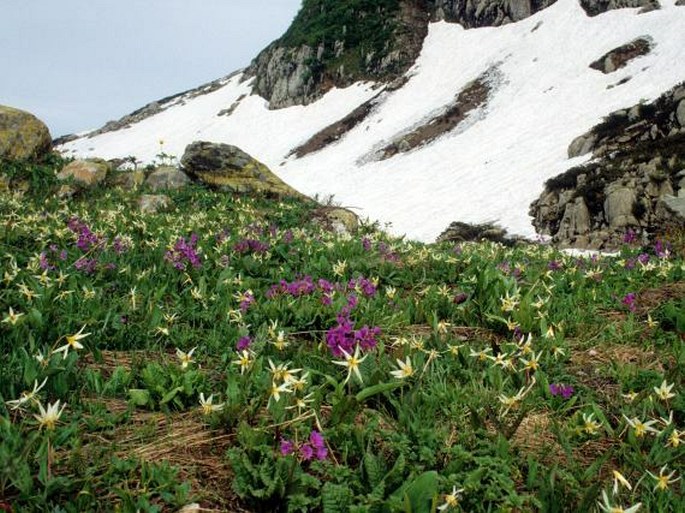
(352,363)
(619,479)
(451,499)
(663,392)
(244,360)
(207,406)
(663,480)
(72,342)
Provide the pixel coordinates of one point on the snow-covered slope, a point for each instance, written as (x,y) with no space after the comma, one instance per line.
(489,168)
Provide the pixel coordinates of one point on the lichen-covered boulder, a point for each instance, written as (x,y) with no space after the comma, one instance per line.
(127,180)
(228,167)
(341,221)
(85,173)
(22,135)
(167,178)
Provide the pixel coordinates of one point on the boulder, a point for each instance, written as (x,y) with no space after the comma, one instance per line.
(153,203)
(127,180)
(465,232)
(85,173)
(22,135)
(680,113)
(336,219)
(167,177)
(229,167)
(581,145)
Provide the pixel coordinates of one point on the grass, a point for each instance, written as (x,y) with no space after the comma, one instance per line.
(234,298)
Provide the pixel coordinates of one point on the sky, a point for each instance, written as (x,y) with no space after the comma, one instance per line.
(77,64)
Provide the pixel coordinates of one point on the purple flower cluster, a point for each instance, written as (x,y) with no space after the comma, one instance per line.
(303,287)
(363,286)
(251,246)
(86,240)
(120,246)
(565,391)
(315,447)
(183,253)
(86,265)
(343,336)
(47,258)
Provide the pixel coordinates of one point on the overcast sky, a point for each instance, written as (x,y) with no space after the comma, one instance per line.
(77,64)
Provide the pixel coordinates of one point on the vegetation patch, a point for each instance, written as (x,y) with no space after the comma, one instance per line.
(234,354)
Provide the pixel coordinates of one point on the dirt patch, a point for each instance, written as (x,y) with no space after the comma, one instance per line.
(473,96)
(334,132)
(620,57)
(651,299)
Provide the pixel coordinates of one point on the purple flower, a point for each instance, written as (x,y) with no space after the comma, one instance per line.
(366,244)
(553,265)
(460,298)
(630,236)
(306,452)
(243,343)
(287,447)
(316,439)
(629,301)
(565,391)
(183,253)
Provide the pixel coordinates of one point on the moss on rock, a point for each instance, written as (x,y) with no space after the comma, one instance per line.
(22,135)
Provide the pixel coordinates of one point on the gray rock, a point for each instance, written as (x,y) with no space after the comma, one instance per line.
(680,3)
(85,173)
(127,180)
(582,145)
(680,113)
(576,220)
(22,135)
(595,7)
(675,206)
(166,177)
(338,220)
(618,205)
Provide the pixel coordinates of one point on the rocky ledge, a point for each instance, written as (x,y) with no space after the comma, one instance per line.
(635,183)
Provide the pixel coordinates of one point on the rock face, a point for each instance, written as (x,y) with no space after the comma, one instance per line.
(85,173)
(229,167)
(334,44)
(595,7)
(22,135)
(636,181)
(620,57)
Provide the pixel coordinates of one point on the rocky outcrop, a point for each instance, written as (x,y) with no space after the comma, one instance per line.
(153,203)
(228,167)
(595,7)
(458,232)
(85,173)
(334,44)
(486,13)
(636,181)
(620,57)
(167,178)
(22,135)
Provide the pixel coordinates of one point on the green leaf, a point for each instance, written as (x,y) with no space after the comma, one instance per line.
(170,395)
(139,396)
(377,389)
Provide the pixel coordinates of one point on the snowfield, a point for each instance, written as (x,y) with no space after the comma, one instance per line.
(489,169)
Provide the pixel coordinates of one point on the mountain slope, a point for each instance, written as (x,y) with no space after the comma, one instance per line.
(488,163)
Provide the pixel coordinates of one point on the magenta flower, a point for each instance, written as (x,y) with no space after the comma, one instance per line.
(243,343)
(287,447)
(629,301)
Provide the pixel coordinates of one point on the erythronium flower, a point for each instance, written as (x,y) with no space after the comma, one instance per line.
(207,405)
(590,426)
(48,418)
(405,369)
(663,392)
(663,479)
(185,358)
(276,391)
(72,342)
(352,364)
(12,317)
(244,360)
(619,479)
(27,396)
(606,506)
(451,499)
(641,428)
(674,439)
